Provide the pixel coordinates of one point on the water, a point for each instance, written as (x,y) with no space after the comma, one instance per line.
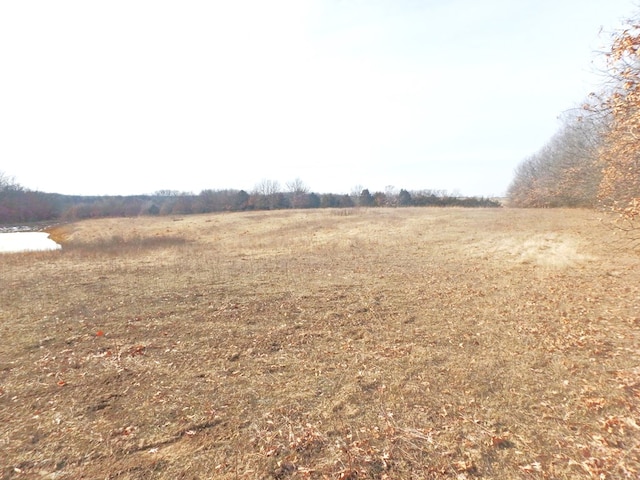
(26,242)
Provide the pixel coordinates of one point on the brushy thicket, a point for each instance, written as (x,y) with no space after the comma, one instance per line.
(566,172)
(594,160)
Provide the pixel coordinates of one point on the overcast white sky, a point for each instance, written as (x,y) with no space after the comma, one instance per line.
(133,96)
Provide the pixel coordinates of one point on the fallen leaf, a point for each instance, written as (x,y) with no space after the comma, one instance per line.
(137,350)
(499,442)
(464,466)
(532,467)
(595,403)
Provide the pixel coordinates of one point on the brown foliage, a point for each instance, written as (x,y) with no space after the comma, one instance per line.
(565,172)
(620,154)
(599,164)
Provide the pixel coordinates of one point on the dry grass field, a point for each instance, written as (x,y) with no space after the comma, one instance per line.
(337,344)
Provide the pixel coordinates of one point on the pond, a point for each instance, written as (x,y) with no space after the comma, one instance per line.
(26,242)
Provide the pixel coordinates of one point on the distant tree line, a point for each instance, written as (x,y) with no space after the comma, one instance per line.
(594,159)
(20,205)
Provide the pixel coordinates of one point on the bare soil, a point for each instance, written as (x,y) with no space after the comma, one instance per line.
(337,344)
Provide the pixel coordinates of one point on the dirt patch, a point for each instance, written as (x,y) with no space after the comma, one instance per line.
(545,249)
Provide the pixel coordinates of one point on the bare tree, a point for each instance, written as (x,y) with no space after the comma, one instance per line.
(8,183)
(170,193)
(267,195)
(299,196)
(297,186)
(267,187)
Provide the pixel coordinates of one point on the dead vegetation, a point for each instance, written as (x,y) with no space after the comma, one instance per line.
(408,343)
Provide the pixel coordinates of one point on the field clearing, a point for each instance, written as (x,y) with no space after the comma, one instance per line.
(338,344)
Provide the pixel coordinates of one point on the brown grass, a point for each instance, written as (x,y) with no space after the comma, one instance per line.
(408,343)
